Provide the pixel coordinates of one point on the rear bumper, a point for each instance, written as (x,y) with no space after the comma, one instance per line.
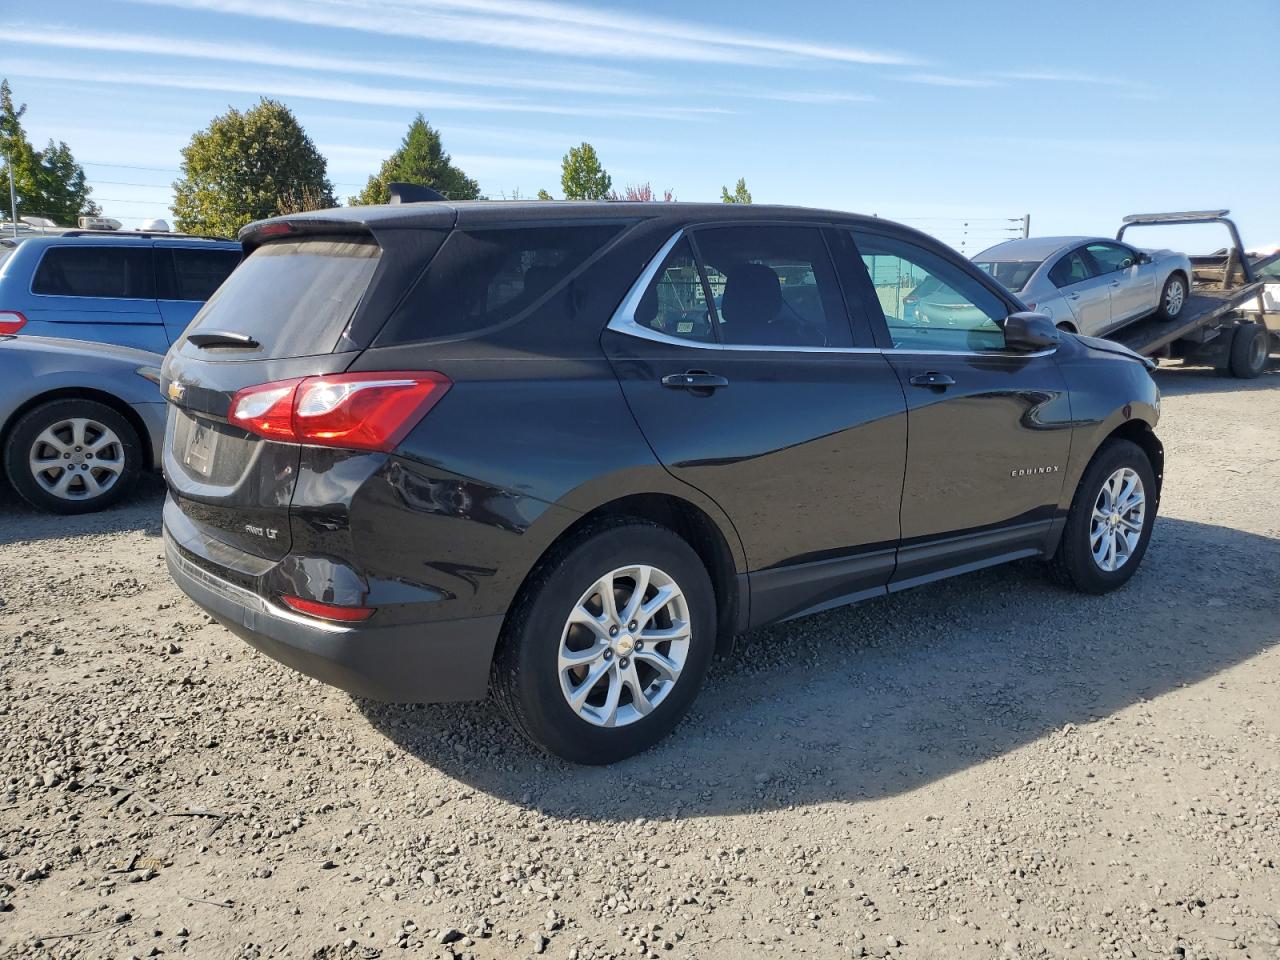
(430,662)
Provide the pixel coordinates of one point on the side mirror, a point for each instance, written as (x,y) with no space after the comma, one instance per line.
(1142,257)
(1028,332)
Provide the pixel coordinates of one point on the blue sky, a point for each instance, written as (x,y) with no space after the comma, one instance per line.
(957,117)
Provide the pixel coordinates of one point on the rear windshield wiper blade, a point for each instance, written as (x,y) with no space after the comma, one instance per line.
(222,338)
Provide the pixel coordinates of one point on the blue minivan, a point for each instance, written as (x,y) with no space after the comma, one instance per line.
(131,289)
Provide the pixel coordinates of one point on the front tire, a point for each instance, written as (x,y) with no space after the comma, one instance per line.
(1172,298)
(608,643)
(1110,521)
(72,456)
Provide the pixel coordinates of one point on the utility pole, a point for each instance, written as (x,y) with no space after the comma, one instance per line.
(13,195)
(1026,225)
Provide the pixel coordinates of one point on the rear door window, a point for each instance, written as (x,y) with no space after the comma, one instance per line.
(294,297)
(675,302)
(192,274)
(773,286)
(1072,268)
(481,278)
(119,273)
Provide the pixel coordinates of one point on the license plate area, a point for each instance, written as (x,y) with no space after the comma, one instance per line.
(202,445)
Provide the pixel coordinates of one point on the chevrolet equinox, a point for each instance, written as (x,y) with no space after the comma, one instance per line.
(567,451)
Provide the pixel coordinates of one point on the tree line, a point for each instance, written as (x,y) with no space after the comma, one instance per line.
(260,162)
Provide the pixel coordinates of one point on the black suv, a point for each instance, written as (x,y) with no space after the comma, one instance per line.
(569,450)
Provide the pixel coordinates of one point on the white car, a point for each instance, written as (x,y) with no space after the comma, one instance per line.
(1091,285)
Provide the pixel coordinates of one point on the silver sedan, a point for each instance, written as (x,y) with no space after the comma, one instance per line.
(1091,285)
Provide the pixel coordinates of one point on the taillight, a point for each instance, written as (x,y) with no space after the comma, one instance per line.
(11,321)
(361,411)
(328,611)
(1031,305)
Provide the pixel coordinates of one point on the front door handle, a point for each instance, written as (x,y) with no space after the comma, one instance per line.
(697,382)
(938,381)
(1073,296)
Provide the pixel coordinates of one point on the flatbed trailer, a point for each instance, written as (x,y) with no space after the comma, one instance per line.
(1215,325)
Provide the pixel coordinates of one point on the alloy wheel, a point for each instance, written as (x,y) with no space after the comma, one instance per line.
(77,459)
(1119,513)
(1174,298)
(624,646)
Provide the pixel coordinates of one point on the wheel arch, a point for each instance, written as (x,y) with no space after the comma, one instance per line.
(1141,433)
(85,393)
(692,524)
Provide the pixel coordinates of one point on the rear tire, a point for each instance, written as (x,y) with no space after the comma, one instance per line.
(630,688)
(1084,560)
(1250,346)
(72,456)
(1173,298)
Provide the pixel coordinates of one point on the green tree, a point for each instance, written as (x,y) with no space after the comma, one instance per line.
(740,193)
(49,183)
(543,195)
(421,159)
(247,166)
(582,176)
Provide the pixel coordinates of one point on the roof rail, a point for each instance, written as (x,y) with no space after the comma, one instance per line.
(145,235)
(414,193)
(1189,216)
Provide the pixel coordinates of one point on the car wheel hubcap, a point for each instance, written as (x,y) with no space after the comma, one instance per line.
(76,459)
(1258,352)
(624,646)
(1118,515)
(1174,298)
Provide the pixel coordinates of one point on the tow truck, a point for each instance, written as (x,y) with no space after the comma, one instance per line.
(1224,321)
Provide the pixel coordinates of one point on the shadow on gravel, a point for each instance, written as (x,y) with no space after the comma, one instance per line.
(885,697)
(1175,380)
(140,510)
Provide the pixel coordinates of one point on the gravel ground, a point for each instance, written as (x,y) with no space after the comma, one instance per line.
(990,767)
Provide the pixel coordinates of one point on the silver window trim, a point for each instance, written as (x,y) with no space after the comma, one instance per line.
(624,321)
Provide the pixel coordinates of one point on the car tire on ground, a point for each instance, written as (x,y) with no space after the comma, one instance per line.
(1110,521)
(1172,298)
(1250,346)
(582,676)
(72,456)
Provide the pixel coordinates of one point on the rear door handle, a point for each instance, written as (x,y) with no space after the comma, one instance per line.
(939,381)
(1073,296)
(695,381)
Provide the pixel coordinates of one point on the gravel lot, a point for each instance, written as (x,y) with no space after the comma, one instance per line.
(990,767)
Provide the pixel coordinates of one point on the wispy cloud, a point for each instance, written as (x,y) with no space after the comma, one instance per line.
(343,92)
(578,79)
(1134,87)
(548,27)
(806,96)
(945,80)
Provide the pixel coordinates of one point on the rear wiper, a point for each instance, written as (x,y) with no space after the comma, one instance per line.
(222,338)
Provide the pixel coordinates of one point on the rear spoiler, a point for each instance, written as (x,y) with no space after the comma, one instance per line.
(414,193)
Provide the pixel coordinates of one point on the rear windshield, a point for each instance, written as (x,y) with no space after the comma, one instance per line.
(1014,274)
(295,297)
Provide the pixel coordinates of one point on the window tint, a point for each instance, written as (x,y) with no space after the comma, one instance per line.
(675,302)
(1072,268)
(295,297)
(929,302)
(1269,270)
(116,272)
(773,286)
(1110,257)
(193,274)
(485,277)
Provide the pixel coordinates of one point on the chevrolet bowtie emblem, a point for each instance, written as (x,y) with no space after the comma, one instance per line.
(176,391)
